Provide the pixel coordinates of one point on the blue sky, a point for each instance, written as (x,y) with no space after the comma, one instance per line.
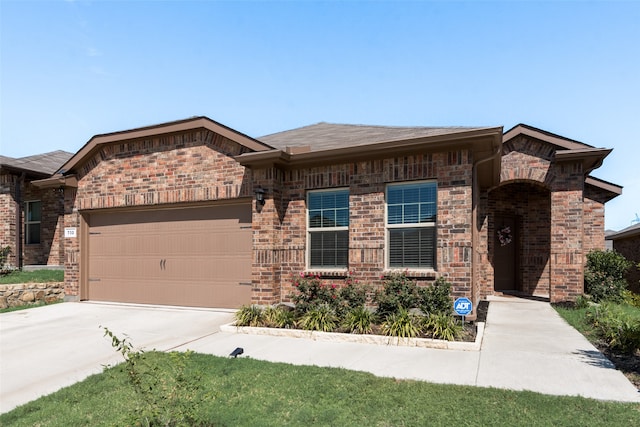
(73,69)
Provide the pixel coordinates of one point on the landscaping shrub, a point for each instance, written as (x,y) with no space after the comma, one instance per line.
(398,292)
(604,275)
(443,326)
(278,317)
(312,293)
(4,255)
(320,318)
(249,315)
(620,328)
(403,308)
(402,324)
(436,298)
(359,320)
(631,298)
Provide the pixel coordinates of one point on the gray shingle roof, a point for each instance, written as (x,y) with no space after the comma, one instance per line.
(46,163)
(327,136)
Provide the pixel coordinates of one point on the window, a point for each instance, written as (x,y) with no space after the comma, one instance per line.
(328,216)
(411,225)
(32,224)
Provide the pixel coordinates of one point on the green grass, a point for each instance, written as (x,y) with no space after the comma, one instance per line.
(37,276)
(246,392)
(576,317)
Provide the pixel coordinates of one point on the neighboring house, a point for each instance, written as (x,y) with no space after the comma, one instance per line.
(627,243)
(195,213)
(31,217)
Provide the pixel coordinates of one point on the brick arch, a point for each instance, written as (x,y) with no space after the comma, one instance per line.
(526,160)
(528,203)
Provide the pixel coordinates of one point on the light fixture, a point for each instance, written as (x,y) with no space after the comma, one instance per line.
(259,196)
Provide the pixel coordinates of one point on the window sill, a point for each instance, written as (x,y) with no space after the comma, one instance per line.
(328,274)
(412,274)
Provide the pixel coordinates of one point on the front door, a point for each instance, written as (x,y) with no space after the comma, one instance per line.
(505,254)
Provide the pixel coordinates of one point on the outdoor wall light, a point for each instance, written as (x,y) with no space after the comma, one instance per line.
(259,196)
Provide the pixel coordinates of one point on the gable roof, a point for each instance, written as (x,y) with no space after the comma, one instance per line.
(543,135)
(570,150)
(37,165)
(328,136)
(193,123)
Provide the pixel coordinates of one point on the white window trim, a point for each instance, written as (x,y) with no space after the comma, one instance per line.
(387,227)
(308,266)
(27,222)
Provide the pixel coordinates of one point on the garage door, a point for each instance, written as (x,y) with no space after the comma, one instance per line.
(199,257)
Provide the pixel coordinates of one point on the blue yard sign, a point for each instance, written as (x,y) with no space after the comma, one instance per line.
(462,306)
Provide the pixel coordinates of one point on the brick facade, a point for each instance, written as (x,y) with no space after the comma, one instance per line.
(559,218)
(187,168)
(280,227)
(50,250)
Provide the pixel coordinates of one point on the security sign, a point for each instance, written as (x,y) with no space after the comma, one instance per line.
(462,306)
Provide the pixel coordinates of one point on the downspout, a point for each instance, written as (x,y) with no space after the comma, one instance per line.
(475,190)
(19,234)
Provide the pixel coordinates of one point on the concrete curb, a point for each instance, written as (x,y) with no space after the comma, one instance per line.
(362,339)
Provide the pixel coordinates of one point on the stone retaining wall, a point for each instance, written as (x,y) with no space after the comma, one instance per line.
(28,293)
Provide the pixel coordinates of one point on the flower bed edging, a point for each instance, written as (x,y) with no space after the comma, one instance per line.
(361,338)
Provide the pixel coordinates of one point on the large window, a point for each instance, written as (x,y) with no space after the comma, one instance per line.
(33,215)
(328,216)
(411,225)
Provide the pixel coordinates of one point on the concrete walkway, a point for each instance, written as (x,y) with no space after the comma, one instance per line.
(526,346)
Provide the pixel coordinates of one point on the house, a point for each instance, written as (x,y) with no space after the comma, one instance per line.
(194,213)
(627,243)
(31,217)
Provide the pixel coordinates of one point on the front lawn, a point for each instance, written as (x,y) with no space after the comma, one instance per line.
(607,326)
(247,392)
(36,276)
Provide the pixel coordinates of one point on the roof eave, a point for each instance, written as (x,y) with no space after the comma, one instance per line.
(591,158)
(473,139)
(57,181)
(191,124)
(542,135)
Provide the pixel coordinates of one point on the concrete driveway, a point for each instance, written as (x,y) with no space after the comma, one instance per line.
(47,348)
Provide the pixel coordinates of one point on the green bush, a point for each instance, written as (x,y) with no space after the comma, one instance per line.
(436,298)
(311,293)
(631,298)
(321,318)
(4,255)
(618,326)
(249,315)
(604,275)
(443,326)
(402,324)
(359,320)
(278,317)
(398,292)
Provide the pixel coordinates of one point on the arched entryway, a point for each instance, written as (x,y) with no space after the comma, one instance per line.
(520,238)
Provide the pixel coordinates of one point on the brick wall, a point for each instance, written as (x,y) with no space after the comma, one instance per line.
(8,215)
(189,167)
(558,220)
(280,228)
(49,251)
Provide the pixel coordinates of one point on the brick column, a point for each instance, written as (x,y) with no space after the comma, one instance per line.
(567,264)
(265,270)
